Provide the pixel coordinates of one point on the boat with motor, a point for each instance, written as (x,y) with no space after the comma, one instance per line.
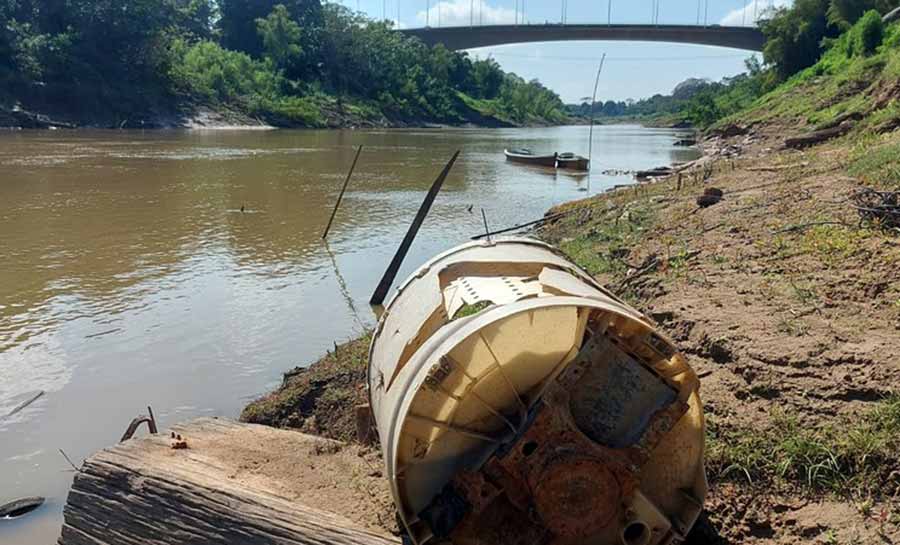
(528,157)
(570,161)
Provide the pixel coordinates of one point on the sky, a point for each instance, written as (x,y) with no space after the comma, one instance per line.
(632,69)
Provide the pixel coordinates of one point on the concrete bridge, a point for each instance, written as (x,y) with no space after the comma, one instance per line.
(470,37)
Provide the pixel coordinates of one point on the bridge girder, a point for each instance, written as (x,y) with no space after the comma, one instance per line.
(463,37)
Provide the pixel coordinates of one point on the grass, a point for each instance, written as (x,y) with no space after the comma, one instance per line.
(833,243)
(601,245)
(857,457)
(840,83)
(876,161)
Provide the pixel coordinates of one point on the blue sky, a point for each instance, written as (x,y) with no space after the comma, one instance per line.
(632,70)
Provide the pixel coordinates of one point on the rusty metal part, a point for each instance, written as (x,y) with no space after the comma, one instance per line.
(577,497)
(149,419)
(558,475)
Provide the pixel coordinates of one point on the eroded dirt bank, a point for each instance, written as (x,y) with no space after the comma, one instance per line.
(789,310)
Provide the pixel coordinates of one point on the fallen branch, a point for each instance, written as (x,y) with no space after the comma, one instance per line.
(804,226)
(817,137)
(879,207)
(650,265)
(545,219)
(777,168)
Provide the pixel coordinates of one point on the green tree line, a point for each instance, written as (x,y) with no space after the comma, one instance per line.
(284,60)
(796,39)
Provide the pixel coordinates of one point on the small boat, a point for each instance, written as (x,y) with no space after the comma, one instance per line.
(570,161)
(528,157)
(657,172)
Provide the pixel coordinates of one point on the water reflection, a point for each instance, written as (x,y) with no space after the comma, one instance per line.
(130,276)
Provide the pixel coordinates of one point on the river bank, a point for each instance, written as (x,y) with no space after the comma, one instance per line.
(787,307)
(330,114)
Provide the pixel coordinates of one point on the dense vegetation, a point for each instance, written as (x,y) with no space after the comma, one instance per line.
(796,39)
(287,61)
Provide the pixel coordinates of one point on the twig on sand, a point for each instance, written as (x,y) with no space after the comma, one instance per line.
(804,226)
(776,168)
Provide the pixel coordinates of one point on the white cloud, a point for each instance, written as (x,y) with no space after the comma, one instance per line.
(752,12)
(465,12)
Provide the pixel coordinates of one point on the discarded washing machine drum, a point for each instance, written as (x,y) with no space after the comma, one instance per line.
(519,402)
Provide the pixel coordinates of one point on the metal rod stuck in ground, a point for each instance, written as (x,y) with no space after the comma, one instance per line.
(391,273)
(343,190)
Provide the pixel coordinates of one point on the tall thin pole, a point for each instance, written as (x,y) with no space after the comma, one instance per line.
(471,12)
(391,273)
(706,15)
(609,12)
(341,196)
(591,134)
(427,12)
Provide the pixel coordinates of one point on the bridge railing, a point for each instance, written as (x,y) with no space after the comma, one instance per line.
(443,14)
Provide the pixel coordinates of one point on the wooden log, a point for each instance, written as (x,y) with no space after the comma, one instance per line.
(816,137)
(234,483)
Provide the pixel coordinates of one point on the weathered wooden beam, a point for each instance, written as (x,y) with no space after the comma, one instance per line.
(234,484)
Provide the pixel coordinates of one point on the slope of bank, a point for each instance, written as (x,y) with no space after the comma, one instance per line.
(788,309)
(321,111)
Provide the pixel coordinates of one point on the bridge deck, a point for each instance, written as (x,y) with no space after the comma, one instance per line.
(470,37)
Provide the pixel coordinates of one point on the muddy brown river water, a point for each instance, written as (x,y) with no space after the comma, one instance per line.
(130,277)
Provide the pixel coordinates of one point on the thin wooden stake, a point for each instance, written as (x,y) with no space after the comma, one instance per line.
(341,196)
(591,132)
(487,231)
(391,273)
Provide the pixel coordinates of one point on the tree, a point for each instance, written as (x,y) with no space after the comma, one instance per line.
(281,38)
(871,33)
(844,13)
(238,21)
(703,110)
(797,36)
(196,18)
(488,78)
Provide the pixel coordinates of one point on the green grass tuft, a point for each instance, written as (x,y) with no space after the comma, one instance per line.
(858,458)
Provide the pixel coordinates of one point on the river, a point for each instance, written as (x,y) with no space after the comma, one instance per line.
(129,276)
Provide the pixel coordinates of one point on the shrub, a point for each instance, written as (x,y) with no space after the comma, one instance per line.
(208,70)
(870,33)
